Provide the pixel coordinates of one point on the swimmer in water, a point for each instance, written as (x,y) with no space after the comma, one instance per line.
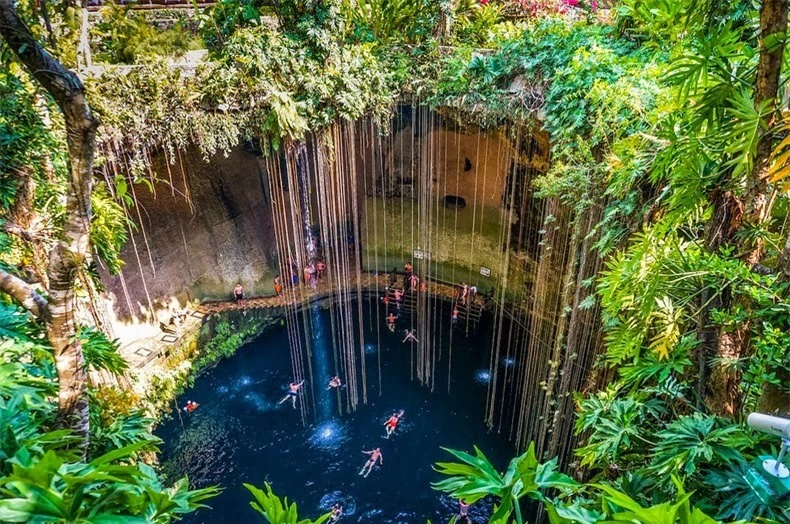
(392,423)
(191,406)
(375,455)
(337,511)
(410,335)
(463,511)
(391,322)
(334,383)
(293,392)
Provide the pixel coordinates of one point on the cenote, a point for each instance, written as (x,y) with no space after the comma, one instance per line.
(240,435)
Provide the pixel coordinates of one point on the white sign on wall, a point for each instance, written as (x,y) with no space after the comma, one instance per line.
(486,272)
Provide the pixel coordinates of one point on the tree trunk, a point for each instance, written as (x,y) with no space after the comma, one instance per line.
(773,22)
(72,247)
(783,265)
(723,393)
(727,216)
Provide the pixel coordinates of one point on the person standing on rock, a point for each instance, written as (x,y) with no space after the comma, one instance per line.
(238,294)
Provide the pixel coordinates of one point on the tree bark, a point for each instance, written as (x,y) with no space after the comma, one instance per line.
(773,22)
(722,391)
(72,246)
(24,293)
(783,265)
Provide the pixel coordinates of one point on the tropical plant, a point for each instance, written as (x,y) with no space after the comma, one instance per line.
(124,36)
(733,495)
(474,478)
(391,20)
(276,510)
(49,488)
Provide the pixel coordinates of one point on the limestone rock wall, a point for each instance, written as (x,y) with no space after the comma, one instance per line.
(196,237)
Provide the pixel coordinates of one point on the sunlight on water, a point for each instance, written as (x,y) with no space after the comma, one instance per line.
(328,435)
(259,402)
(483,376)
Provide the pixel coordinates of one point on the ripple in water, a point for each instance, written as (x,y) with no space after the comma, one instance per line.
(329,435)
(483,376)
(336,497)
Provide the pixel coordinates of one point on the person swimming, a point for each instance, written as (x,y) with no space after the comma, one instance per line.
(293,393)
(410,335)
(392,423)
(375,456)
(463,511)
(191,406)
(334,383)
(337,512)
(391,318)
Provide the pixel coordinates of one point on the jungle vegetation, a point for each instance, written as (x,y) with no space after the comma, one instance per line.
(669,117)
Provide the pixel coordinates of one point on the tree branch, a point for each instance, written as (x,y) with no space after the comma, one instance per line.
(24,293)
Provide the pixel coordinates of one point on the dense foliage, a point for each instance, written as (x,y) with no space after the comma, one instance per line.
(42,476)
(658,123)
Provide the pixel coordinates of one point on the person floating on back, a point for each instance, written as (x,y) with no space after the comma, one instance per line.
(335,382)
(375,456)
(293,392)
(238,294)
(410,336)
(191,406)
(392,423)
